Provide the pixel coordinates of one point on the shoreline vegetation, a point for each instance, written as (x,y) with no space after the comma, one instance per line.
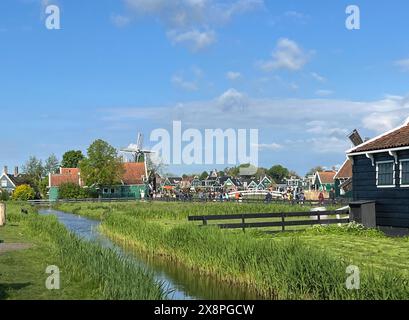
(284,266)
(88,270)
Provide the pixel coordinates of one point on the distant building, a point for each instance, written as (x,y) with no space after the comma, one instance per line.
(133,182)
(343,180)
(9,182)
(324,180)
(380,169)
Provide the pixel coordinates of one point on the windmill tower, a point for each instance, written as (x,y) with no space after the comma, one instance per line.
(138,152)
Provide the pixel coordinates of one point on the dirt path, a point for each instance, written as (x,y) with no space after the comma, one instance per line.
(7,247)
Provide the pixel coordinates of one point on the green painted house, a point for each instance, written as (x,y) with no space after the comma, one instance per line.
(132,186)
(324,180)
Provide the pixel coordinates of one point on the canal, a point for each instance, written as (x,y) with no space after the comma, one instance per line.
(182,283)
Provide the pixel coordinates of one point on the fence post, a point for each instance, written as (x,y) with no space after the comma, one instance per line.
(2,214)
(283,222)
(204,222)
(243,220)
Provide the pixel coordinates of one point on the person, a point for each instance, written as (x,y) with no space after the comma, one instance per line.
(332,195)
(321,198)
(302,196)
(237,196)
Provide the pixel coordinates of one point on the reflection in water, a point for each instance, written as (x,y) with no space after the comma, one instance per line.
(184,283)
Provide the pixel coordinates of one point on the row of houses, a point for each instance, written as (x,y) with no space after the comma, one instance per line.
(217,183)
(339,180)
(134,182)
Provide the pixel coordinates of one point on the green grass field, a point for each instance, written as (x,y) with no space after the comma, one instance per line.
(302,265)
(88,271)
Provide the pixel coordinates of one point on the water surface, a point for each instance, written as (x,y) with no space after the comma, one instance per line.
(183,283)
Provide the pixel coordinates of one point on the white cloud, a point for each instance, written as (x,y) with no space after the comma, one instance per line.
(287,55)
(322,124)
(183,84)
(194,39)
(295,15)
(403,64)
(232,100)
(290,16)
(323,93)
(318,77)
(186,20)
(232,75)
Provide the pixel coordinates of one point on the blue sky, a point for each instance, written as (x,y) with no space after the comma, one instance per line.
(288,68)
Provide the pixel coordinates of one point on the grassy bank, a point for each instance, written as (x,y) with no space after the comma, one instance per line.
(282,267)
(88,271)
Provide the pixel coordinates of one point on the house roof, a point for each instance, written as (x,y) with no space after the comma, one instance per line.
(70,171)
(396,138)
(236,182)
(345,171)
(57,180)
(16,180)
(66,175)
(134,173)
(326,176)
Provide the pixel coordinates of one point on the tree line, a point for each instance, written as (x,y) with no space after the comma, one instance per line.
(101,166)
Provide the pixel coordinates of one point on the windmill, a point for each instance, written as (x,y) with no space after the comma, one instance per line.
(137,152)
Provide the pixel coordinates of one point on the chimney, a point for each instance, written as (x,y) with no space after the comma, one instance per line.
(5,170)
(16,171)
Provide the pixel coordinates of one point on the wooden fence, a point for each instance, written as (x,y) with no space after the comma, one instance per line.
(315,218)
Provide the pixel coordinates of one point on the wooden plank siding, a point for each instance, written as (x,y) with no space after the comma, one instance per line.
(392,204)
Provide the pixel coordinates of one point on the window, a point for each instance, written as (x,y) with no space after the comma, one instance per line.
(4,183)
(385,174)
(404,172)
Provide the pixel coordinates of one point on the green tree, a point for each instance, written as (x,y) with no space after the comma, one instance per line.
(71,159)
(34,174)
(204,175)
(34,169)
(24,193)
(261,172)
(51,165)
(294,174)
(4,195)
(314,170)
(278,173)
(102,167)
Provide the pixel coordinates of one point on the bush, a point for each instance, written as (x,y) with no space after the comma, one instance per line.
(24,193)
(4,195)
(71,191)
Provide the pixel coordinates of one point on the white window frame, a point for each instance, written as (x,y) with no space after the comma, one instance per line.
(394,174)
(4,183)
(400,173)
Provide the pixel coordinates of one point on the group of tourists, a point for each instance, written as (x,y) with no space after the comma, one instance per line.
(294,195)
